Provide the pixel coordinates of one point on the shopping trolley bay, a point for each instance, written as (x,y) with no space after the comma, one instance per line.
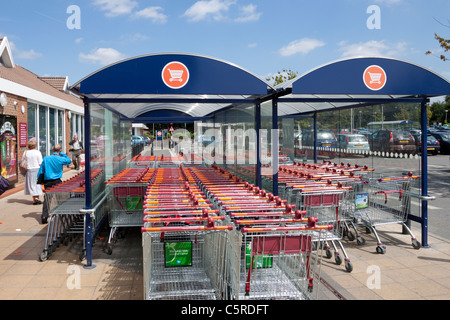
(208,234)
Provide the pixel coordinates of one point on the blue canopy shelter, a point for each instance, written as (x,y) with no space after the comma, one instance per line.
(161,88)
(359,82)
(186,87)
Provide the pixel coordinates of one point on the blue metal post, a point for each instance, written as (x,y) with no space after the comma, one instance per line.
(88,192)
(275,142)
(315,137)
(424,175)
(258,144)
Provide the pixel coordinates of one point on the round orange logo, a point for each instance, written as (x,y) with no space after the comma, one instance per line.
(175,75)
(375,78)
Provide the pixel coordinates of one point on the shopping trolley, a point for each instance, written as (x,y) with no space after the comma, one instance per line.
(275,262)
(375,77)
(63,203)
(176,75)
(189,261)
(386,201)
(324,203)
(126,191)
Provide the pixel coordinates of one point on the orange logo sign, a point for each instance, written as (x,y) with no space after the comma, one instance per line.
(375,78)
(175,75)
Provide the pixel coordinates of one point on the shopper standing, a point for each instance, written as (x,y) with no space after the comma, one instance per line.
(77,145)
(52,171)
(33,157)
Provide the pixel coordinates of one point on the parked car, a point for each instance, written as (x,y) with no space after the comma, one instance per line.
(400,141)
(137,140)
(353,143)
(326,144)
(147,140)
(433,145)
(444,140)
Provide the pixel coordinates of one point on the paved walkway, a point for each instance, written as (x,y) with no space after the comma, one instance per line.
(403,273)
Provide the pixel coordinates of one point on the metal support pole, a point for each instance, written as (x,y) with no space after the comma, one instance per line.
(424,175)
(275,142)
(88,191)
(258,145)
(315,137)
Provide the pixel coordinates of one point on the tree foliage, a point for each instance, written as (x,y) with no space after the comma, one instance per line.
(283,76)
(443,43)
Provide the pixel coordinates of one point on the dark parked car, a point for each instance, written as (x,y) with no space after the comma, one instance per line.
(433,145)
(400,141)
(444,140)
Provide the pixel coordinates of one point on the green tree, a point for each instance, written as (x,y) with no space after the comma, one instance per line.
(282,76)
(438,111)
(443,43)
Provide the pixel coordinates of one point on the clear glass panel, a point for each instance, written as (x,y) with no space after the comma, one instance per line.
(61,126)
(52,128)
(43,130)
(31,121)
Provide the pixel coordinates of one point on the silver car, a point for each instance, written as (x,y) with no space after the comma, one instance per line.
(353,144)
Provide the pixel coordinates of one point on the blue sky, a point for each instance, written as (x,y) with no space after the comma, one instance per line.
(261,36)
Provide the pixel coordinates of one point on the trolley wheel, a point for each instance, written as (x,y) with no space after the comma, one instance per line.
(350,236)
(368,231)
(83,255)
(360,241)
(328,253)
(43,256)
(348,266)
(108,249)
(338,259)
(416,244)
(66,240)
(381,249)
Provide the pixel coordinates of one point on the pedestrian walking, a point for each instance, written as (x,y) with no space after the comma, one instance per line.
(33,158)
(77,146)
(51,172)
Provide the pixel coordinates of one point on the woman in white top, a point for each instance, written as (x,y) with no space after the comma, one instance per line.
(34,160)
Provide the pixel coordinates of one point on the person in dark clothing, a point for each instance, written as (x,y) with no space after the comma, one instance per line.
(77,146)
(52,171)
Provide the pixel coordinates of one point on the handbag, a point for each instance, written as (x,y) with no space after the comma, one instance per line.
(23,166)
(4,184)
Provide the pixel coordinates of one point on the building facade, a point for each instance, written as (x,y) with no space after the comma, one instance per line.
(33,108)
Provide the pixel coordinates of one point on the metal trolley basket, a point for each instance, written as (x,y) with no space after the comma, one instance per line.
(385,201)
(275,262)
(65,202)
(126,192)
(185,262)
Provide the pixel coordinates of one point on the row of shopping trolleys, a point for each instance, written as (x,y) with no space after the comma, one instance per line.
(215,236)
(355,196)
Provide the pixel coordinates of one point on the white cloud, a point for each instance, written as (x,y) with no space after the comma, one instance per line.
(372,48)
(79,40)
(102,56)
(203,9)
(152,13)
(303,46)
(24,54)
(248,13)
(114,8)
